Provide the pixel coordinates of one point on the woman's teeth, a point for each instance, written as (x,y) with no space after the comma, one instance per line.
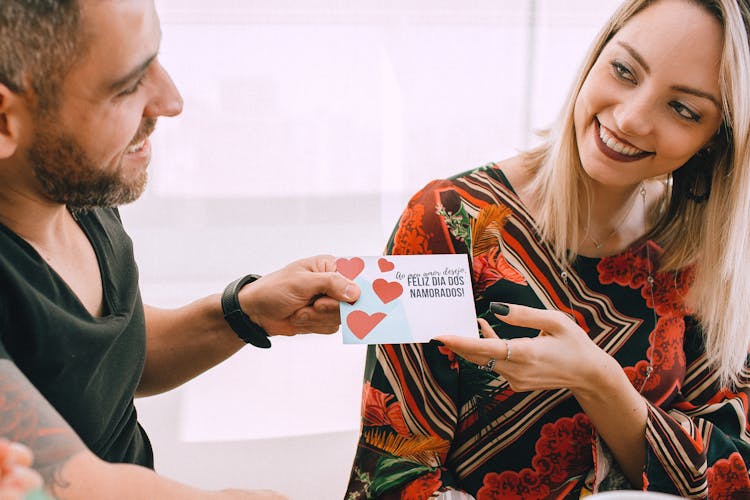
(616,145)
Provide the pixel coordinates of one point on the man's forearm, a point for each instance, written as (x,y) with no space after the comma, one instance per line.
(302,297)
(90,478)
(69,469)
(185,342)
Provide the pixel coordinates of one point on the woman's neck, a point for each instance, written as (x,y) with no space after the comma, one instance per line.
(616,218)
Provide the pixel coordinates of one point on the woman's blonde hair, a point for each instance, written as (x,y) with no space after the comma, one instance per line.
(713,235)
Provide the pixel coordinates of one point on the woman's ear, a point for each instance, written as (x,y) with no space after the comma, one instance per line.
(14,118)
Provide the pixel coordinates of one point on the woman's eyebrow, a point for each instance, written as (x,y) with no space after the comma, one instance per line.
(635,55)
(679,88)
(698,93)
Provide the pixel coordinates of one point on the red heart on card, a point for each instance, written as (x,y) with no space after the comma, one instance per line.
(350,267)
(385,265)
(361,323)
(387,290)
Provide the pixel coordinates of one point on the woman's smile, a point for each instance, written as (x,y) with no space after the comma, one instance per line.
(614,147)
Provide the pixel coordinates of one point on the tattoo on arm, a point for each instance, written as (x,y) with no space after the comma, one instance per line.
(26,417)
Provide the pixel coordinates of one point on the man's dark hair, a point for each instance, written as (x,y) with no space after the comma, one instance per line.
(40,40)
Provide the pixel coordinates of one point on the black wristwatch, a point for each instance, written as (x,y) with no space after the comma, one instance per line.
(243,326)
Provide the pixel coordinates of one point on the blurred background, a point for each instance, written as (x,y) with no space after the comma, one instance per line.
(307,126)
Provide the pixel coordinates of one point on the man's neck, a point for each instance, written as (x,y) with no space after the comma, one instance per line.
(42,223)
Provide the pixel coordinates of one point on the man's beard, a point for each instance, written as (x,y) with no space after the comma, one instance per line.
(68,176)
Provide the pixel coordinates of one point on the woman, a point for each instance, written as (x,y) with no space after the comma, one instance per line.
(611,262)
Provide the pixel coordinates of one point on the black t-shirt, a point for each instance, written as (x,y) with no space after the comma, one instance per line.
(86,367)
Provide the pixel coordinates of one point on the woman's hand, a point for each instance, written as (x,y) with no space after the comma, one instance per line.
(561,356)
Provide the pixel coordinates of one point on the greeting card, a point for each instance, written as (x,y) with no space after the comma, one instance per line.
(408,298)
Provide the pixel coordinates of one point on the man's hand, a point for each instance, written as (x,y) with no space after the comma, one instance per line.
(302,297)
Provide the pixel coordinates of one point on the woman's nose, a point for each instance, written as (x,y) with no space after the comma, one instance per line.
(634,115)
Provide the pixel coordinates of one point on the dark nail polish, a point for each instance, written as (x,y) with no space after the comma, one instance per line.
(437,343)
(499,308)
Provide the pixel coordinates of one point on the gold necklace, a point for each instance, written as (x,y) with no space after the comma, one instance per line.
(599,244)
(649,280)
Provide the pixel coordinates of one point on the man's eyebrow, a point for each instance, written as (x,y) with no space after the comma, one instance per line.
(131,75)
(679,88)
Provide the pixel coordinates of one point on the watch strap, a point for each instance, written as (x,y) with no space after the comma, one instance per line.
(249,331)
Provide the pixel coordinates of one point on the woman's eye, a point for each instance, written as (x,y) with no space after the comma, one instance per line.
(685,112)
(622,72)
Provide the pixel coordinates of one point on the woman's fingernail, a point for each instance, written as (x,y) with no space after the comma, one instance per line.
(499,308)
(437,342)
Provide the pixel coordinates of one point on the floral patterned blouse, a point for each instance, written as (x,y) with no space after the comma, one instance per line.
(432,421)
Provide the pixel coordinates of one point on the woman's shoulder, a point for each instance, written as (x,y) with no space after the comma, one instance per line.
(517,172)
(512,170)
(499,179)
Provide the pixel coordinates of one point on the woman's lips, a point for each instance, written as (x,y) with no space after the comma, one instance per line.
(614,148)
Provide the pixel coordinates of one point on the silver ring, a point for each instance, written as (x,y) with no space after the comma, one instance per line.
(507,349)
(489,367)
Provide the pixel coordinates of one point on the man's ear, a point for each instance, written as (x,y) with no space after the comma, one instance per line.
(14,121)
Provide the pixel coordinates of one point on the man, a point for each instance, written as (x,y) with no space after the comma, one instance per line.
(81,89)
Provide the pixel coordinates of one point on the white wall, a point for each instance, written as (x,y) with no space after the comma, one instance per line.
(307,126)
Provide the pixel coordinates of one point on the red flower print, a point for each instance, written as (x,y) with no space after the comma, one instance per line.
(410,238)
(728,479)
(667,343)
(509,485)
(423,487)
(666,352)
(567,443)
(637,376)
(684,280)
(632,269)
(619,269)
(374,403)
(626,269)
(379,408)
(490,268)
(396,419)
(669,293)
(563,450)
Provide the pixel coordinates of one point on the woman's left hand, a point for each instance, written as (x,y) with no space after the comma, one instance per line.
(561,356)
